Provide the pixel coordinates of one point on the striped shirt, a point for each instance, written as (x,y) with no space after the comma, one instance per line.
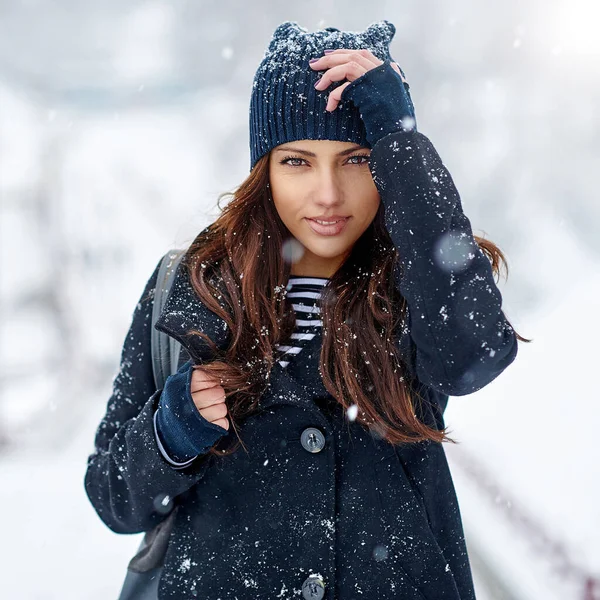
(304,294)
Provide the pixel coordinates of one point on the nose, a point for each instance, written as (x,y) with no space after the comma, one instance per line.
(329,190)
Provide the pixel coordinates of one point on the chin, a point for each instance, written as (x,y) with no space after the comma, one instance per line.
(332,251)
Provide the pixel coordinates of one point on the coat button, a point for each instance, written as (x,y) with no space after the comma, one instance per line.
(312,439)
(313,588)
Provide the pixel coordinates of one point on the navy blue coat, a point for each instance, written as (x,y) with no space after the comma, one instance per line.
(373,520)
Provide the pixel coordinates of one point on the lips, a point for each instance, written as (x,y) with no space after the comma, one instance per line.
(327,221)
(332,229)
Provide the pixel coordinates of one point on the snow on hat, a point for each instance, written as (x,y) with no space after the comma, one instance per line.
(284,104)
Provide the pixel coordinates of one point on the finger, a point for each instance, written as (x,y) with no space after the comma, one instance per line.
(202,379)
(212,413)
(361,51)
(224,423)
(335,97)
(331,60)
(209,395)
(349,70)
(201,401)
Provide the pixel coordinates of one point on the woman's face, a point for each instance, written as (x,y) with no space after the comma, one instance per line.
(322,179)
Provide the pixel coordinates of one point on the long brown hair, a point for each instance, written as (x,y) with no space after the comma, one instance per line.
(237,268)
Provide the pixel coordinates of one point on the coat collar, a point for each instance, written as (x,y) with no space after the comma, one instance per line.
(295,385)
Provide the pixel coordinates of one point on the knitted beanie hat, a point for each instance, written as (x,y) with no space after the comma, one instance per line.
(284,104)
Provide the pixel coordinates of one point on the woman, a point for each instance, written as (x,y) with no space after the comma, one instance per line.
(301,437)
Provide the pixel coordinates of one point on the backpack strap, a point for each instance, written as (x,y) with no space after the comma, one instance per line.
(145,568)
(165,349)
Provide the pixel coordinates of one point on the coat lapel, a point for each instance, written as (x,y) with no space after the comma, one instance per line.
(183,311)
(295,385)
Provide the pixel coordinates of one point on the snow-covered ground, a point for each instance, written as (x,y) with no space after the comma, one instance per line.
(54,546)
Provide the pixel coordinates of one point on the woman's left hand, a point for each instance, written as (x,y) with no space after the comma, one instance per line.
(344,63)
(377,88)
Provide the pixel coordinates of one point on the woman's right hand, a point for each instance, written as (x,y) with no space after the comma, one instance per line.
(209,397)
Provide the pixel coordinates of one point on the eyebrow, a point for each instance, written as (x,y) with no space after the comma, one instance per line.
(307,153)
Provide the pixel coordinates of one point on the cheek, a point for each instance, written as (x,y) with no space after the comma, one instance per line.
(366,202)
(288,197)
(291,211)
(287,205)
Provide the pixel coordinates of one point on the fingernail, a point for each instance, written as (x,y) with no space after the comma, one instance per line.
(313,60)
(327,51)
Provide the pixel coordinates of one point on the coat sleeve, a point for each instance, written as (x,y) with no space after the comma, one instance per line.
(128,481)
(458,337)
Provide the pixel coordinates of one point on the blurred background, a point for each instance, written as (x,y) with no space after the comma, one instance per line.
(121,122)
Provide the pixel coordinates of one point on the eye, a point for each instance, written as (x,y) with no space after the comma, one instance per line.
(366,156)
(288,158)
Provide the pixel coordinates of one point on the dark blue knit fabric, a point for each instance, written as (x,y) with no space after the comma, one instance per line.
(183,431)
(384,104)
(284,104)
